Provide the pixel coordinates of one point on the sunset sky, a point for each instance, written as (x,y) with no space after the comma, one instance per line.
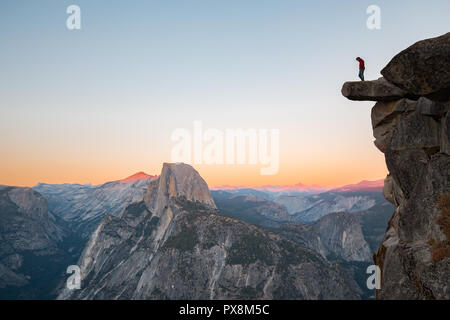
(100,103)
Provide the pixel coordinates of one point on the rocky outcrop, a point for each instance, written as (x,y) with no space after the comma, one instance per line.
(413,133)
(422,69)
(174,245)
(376,90)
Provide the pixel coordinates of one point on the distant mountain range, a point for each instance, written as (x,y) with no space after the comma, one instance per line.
(302,207)
(150,227)
(291,189)
(299,188)
(84,205)
(366,186)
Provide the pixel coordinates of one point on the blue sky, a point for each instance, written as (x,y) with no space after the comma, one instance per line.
(115,90)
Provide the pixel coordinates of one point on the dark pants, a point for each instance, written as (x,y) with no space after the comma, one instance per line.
(361,74)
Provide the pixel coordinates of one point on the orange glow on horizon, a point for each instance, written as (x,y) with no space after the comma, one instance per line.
(58,162)
(215,175)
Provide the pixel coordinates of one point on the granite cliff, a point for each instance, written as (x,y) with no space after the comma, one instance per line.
(411,126)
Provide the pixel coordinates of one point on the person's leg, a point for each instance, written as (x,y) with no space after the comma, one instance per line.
(361,74)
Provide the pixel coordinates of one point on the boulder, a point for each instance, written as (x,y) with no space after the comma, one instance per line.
(423,69)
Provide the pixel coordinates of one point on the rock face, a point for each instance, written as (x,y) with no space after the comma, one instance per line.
(349,239)
(335,235)
(32,256)
(414,256)
(177,181)
(174,245)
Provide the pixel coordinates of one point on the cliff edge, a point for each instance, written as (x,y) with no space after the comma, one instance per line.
(411,126)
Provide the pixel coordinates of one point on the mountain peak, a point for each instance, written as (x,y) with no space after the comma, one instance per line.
(137,176)
(364,185)
(178,180)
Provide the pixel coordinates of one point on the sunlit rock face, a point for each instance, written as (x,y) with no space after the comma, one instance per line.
(413,133)
(335,236)
(177,181)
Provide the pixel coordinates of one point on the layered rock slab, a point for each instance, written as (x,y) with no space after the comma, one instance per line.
(375,90)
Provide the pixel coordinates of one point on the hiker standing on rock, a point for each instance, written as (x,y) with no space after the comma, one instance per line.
(362,67)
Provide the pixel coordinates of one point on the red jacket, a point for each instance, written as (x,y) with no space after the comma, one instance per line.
(361,64)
